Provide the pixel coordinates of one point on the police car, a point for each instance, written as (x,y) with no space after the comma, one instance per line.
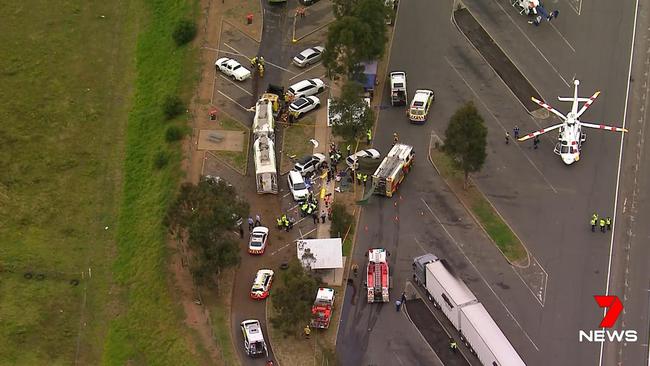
(262,284)
(257,242)
(419,109)
(254,344)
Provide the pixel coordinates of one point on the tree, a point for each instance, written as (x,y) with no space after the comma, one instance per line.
(358,34)
(355,115)
(465,140)
(292,300)
(184,32)
(172,106)
(206,214)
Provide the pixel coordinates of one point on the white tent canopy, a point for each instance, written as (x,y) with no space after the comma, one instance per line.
(320,253)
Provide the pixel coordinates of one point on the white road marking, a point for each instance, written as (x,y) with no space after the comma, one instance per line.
(521,31)
(477,271)
(234,101)
(282,248)
(500,125)
(560,34)
(302,236)
(302,73)
(618,172)
(235,50)
(577,9)
(235,84)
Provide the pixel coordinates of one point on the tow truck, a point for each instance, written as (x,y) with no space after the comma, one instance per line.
(398,94)
(392,170)
(321,311)
(378,276)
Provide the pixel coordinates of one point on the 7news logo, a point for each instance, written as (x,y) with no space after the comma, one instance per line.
(614,308)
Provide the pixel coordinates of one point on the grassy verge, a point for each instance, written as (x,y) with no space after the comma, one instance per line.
(219,309)
(295,141)
(149,329)
(238,160)
(496,228)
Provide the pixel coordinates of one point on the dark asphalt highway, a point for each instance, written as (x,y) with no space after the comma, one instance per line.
(547,204)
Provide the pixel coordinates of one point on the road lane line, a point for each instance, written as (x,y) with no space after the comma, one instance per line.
(233,83)
(560,34)
(500,125)
(477,271)
(531,42)
(302,73)
(235,50)
(618,172)
(234,101)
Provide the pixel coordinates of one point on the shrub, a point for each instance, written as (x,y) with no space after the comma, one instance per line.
(173,106)
(341,221)
(184,32)
(161,159)
(173,133)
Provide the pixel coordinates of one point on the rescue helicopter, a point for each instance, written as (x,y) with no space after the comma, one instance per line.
(570,137)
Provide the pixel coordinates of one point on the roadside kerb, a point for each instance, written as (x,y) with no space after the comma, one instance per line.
(469,211)
(540,113)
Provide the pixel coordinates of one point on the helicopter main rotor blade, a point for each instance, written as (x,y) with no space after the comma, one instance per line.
(603,127)
(588,103)
(548,108)
(539,132)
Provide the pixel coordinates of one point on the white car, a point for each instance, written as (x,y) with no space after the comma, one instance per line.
(297,186)
(306,88)
(309,56)
(262,284)
(309,164)
(232,68)
(420,105)
(257,242)
(353,160)
(303,105)
(254,344)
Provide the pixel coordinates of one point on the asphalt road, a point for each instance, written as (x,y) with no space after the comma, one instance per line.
(546,203)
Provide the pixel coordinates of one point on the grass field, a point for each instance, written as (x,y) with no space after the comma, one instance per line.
(496,228)
(295,141)
(79,197)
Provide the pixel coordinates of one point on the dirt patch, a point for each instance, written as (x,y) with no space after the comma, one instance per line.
(221,140)
(197,316)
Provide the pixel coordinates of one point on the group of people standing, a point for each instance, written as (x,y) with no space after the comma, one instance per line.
(605,223)
(257,62)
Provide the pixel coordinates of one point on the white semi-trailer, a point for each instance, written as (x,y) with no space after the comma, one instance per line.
(478,331)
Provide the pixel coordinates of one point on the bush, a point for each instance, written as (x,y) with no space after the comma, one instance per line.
(173,133)
(184,32)
(341,221)
(161,159)
(173,106)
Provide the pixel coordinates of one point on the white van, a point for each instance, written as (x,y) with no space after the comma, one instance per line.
(297,186)
(254,344)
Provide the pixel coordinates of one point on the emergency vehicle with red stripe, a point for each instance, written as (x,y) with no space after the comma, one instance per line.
(378,276)
(570,136)
(392,170)
(321,311)
(262,284)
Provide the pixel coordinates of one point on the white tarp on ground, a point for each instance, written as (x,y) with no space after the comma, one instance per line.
(320,253)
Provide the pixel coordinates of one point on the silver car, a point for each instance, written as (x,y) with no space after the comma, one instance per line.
(309,56)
